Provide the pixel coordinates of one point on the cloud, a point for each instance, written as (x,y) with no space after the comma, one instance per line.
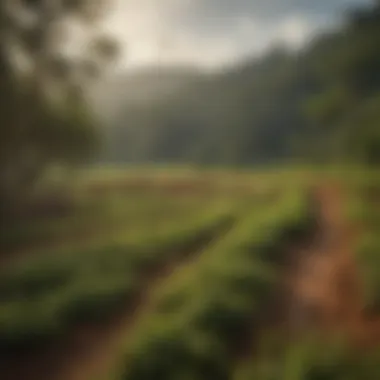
(215,32)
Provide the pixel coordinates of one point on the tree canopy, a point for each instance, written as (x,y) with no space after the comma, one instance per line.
(44,71)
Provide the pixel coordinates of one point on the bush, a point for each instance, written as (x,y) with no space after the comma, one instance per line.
(96,301)
(26,325)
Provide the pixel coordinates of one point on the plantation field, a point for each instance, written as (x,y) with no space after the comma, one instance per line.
(184,274)
(113,204)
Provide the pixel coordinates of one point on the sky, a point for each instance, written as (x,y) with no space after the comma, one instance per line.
(214,33)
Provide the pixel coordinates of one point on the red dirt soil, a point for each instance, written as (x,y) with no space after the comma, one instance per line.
(325,283)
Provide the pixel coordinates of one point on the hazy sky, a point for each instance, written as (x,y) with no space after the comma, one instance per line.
(216,32)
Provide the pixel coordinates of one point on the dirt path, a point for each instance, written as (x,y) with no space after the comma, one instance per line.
(324,282)
(90,352)
(320,287)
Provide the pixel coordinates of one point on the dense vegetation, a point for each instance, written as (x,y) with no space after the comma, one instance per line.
(219,298)
(312,359)
(45,119)
(365,214)
(45,294)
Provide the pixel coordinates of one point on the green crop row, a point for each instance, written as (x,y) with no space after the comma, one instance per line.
(364,208)
(44,296)
(91,219)
(368,258)
(363,213)
(203,313)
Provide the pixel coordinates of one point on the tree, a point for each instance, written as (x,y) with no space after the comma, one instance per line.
(44,72)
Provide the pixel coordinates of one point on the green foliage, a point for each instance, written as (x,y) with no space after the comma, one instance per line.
(365,212)
(368,256)
(45,117)
(41,297)
(217,298)
(365,145)
(312,359)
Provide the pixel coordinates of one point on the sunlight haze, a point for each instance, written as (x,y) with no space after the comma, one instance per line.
(211,33)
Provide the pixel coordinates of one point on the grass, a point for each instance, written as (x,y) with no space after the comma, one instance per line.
(364,212)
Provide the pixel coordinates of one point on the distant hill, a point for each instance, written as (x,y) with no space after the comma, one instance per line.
(139,88)
(179,113)
(317,103)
